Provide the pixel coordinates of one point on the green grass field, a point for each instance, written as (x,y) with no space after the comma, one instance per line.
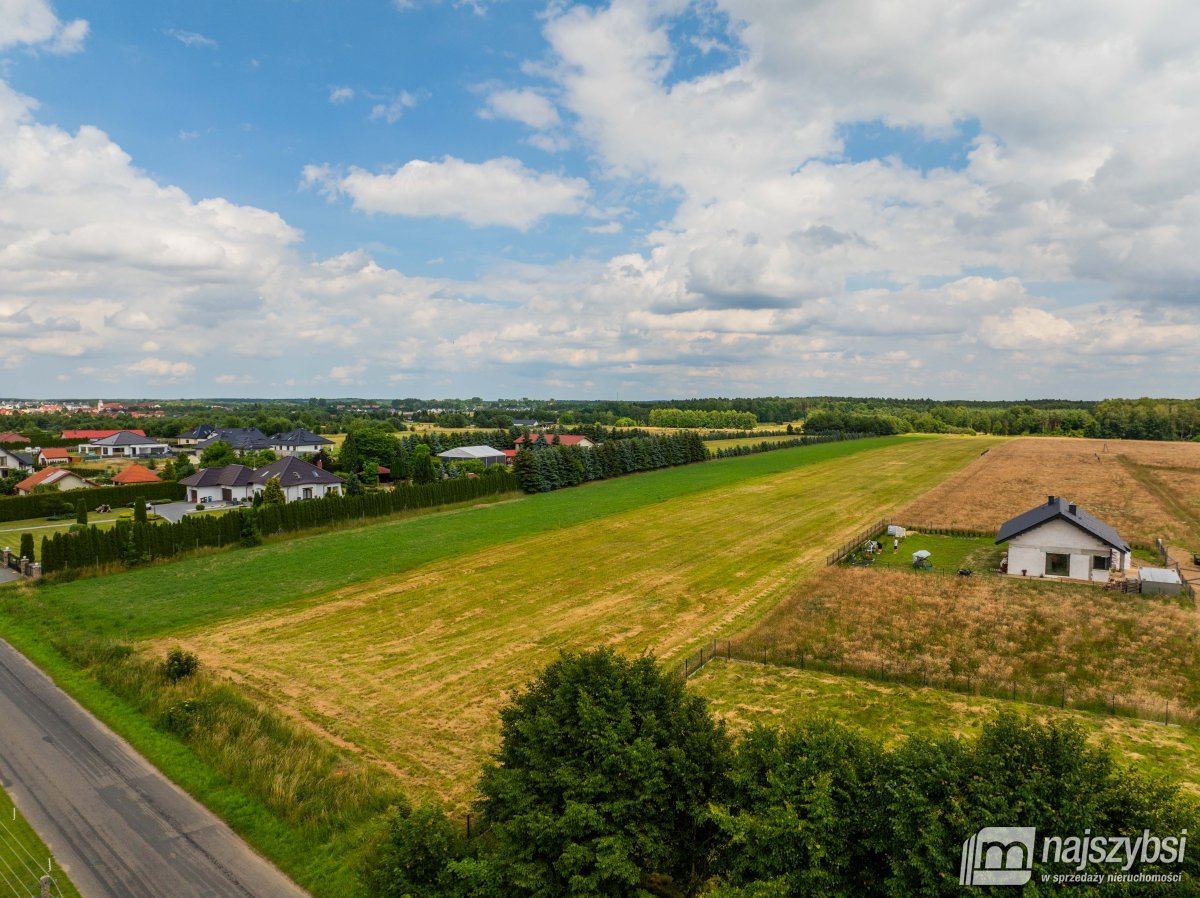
(196,591)
(745,694)
(418,662)
(746,441)
(23,857)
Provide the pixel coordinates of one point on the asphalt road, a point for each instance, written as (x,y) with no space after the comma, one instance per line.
(115,824)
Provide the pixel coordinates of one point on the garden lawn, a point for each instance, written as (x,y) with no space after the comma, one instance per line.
(415,665)
(744,694)
(948,552)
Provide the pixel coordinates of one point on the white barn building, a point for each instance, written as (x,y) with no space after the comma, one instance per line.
(1060,539)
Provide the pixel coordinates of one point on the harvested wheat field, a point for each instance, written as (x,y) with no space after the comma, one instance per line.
(744,694)
(412,669)
(1144,489)
(1039,636)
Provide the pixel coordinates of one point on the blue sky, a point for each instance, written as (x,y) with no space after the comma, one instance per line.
(650,199)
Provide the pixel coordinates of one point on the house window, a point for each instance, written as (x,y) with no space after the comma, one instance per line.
(1101,562)
(1058,565)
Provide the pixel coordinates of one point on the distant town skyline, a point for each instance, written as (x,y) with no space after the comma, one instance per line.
(648,200)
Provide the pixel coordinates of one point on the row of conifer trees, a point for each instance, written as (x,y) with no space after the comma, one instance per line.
(550,467)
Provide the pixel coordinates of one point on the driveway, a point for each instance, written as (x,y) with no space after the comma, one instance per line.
(117,826)
(8,575)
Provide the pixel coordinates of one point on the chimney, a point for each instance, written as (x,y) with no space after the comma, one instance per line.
(1050,500)
(1071,509)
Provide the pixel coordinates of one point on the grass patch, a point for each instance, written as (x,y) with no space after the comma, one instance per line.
(748,441)
(949,553)
(23,856)
(744,694)
(416,665)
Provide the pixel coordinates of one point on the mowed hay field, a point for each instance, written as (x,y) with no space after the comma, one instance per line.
(1144,489)
(746,694)
(412,669)
(1041,636)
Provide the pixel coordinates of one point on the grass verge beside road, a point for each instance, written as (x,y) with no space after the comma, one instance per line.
(23,857)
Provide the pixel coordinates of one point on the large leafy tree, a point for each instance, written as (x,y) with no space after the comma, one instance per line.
(600,787)
(217,455)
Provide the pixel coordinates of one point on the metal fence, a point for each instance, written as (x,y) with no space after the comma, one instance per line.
(1058,695)
(870,533)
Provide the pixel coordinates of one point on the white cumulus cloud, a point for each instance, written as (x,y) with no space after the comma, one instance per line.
(34,23)
(496,192)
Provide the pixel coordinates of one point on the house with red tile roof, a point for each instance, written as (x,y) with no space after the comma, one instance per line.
(59,478)
(54,456)
(97,434)
(135,474)
(12,438)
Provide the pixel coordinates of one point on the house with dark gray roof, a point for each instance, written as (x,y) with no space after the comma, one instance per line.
(298,442)
(230,483)
(125,444)
(197,434)
(299,479)
(1060,539)
(11,462)
(240,439)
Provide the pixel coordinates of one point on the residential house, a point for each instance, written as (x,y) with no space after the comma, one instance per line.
(1060,539)
(197,434)
(231,483)
(299,479)
(485,454)
(58,478)
(563,439)
(11,462)
(524,422)
(135,474)
(9,438)
(54,456)
(240,439)
(298,442)
(96,434)
(125,444)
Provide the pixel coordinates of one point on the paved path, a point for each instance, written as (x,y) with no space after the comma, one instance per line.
(117,826)
(8,575)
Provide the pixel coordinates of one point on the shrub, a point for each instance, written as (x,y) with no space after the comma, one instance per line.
(179,665)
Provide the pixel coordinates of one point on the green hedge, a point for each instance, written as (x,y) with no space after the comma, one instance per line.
(40,505)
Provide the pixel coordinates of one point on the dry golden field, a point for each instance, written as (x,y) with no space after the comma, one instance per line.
(1097,644)
(1144,489)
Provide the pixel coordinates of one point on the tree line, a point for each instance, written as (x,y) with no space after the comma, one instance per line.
(545,467)
(611,779)
(679,417)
